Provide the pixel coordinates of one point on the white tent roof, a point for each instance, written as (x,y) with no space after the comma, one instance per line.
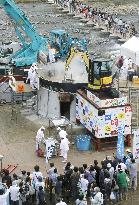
(132,44)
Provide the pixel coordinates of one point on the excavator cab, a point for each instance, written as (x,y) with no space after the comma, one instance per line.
(59,39)
(100,74)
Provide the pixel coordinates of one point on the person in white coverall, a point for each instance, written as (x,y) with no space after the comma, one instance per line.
(64,147)
(34,80)
(32,76)
(29,74)
(39,137)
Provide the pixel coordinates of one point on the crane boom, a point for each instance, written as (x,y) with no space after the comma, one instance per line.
(24,29)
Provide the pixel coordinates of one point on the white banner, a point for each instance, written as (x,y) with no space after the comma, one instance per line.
(136,145)
(50,148)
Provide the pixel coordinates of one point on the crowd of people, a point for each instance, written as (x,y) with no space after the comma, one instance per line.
(76,185)
(100,17)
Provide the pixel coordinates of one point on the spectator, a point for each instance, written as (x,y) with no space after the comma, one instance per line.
(130,64)
(60,202)
(51,170)
(120,62)
(52,182)
(23,175)
(111,170)
(128,151)
(83,185)
(107,186)
(121,166)
(68,168)
(74,182)
(14,193)
(37,185)
(133,174)
(114,162)
(30,195)
(6,178)
(81,200)
(101,176)
(98,197)
(36,174)
(122,183)
(70,6)
(41,196)
(58,187)
(22,196)
(97,168)
(16,179)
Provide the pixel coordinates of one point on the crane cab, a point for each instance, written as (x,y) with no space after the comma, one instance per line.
(100,74)
(59,39)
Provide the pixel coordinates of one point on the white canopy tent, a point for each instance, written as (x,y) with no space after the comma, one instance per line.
(130,49)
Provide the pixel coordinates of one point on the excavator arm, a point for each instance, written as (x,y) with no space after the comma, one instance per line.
(29,52)
(74,52)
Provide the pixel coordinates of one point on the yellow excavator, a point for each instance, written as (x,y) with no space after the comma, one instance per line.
(99,70)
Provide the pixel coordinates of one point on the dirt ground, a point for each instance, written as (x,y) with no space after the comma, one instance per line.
(18,144)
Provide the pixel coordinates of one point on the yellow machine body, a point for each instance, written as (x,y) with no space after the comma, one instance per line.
(99,70)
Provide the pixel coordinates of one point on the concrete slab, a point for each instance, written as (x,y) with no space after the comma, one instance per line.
(77,17)
(121,41)
(65,11)
(90,24)
(113,36)
(97,29)
(71,14)
(60,8)
(105,32)
(83,20)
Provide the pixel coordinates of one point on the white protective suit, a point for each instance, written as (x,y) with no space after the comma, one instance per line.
(29,73)
(32,76)
(39,137)
(34,80)
(64,147)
